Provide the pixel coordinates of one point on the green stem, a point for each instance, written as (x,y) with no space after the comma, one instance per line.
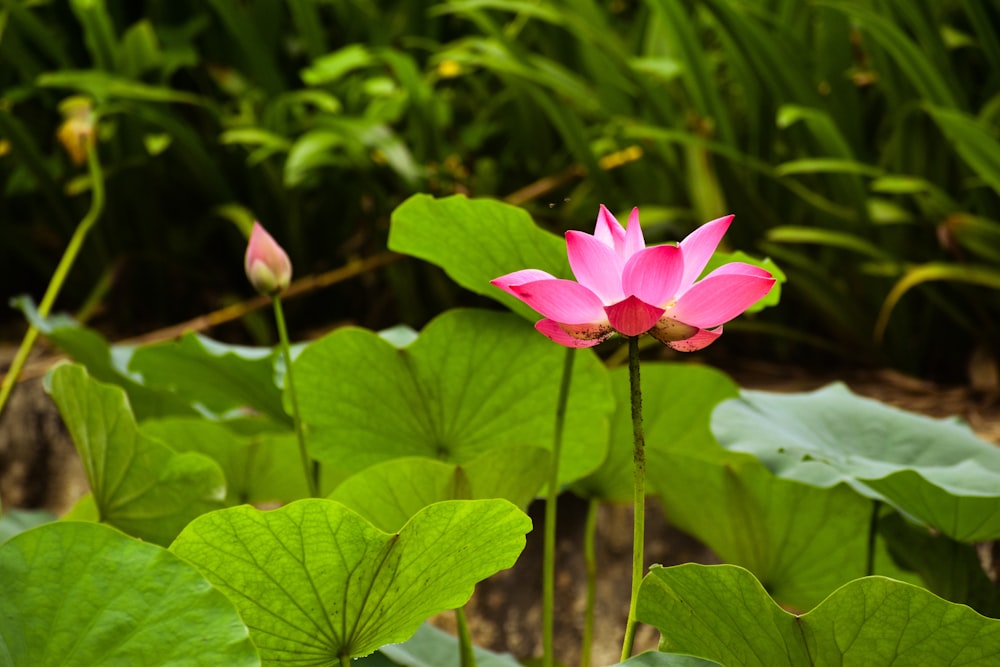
(639,472)
(62,270)
(551,500)
(466,652)
(590,560)
(872,534)
(345,661)
(307,467)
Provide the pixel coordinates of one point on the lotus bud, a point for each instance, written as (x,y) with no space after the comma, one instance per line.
(266,264)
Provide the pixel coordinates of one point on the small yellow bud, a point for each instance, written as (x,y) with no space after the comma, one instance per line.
(76,133)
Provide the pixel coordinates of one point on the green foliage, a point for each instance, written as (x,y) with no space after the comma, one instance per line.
(831,436)
(320,118)
(475,241)
(745,513)
(722,613)
(188,376)
(678,402)
(346,588)
(801,542)
(256,462)
(17,521)
(471,382)
(79,594)
(432,647)
(389,493)
(138,484)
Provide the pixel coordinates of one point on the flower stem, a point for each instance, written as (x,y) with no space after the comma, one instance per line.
(872,534)
(308,468)
(62,270)
(549,550)
(466,652)
(639,472)
(590,559)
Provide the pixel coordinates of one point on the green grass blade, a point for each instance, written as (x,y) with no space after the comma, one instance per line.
(98,30)
(986,276)
(972,141)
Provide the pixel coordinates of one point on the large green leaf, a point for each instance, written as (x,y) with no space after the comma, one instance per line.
(139,484)
(729,501)
(315,581)
(214,376)
(103,362)
(678,400)
(935,470)
(475,241)
(473,381)
(187,376)
(801,541)
(82,594)
(389,493)
(948,568)
(722,613)
(260,465)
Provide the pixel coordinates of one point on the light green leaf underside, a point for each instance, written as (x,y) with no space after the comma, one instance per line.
(657,659)
(315,581)
(935,470)
(432,647)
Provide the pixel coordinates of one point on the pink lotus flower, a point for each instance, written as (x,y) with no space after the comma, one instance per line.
(266,264)
(624,287)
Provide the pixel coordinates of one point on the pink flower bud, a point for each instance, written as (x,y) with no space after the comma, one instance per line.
(266,264)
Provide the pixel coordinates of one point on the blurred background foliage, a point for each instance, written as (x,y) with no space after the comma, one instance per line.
(858,142)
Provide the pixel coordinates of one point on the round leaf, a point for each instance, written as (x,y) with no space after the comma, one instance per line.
(471,382)
(82,594)
(315,581)
(722,613)
(389,493)
(475,241)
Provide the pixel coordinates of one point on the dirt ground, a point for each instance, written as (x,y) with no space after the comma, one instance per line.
(39,469)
